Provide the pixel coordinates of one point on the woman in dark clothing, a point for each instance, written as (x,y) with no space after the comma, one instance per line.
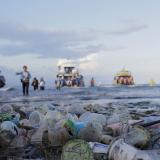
(35,83)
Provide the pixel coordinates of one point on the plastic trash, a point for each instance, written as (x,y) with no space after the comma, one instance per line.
(72,117)
(21,140)
(99,147)
(70,127)
(9,127)
(77,150)
(37,137)
(25,124)
(120,114)
(119,150)
(16,118)
(73,128)
(116,128)
(43,109)
(138,137)
(35,118)
(79,126)
(21,111)
(8,131)
(5,117)
(75,109)
(58,137)
(52,117)
(93,118)
(150,120)
(6,108)
(60,124)
(106,139)
(89,134)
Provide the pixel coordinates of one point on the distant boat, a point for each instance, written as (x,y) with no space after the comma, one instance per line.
(2,81)
(152,83)
(69,74)
(124,77)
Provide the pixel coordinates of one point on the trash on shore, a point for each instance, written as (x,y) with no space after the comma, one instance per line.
(101,131)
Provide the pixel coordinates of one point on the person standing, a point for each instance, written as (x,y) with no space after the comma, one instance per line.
(92,82)
(35,83)
(25,78)
(42,84)
(58,83)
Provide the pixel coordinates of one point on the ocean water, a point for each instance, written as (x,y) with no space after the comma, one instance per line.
(143,96)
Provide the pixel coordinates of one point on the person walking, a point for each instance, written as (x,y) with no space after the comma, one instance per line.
(42,84)
(25,79)
(35,83)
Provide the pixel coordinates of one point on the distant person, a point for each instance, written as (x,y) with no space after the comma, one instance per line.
(35,83)
(25,79)
(69,82)
(92,82)
(42,84)
(58,83)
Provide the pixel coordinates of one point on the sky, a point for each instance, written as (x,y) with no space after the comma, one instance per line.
(103,36)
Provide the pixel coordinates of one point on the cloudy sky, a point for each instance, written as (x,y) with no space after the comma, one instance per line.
(102,35)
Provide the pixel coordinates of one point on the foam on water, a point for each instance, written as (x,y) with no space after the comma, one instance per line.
(137,95)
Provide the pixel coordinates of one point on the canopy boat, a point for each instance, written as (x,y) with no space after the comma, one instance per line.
(124,77)
(2,81)
(69,75)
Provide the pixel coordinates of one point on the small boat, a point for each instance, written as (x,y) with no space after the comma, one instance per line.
(124,77)
(2,81)
(152,83)
(69,75)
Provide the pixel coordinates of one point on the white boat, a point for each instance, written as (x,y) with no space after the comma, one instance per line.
(69,74)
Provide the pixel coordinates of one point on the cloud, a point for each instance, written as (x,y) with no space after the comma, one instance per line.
(78,62)
(18,40)
(131,28)
(46,43)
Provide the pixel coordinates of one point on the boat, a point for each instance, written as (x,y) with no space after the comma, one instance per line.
(124,77)
(69,74)
(2,81)
(152,83)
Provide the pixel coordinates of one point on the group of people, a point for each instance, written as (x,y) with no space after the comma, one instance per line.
(38,84)
(59,82)
(25,80)
(69,82)
(124,80)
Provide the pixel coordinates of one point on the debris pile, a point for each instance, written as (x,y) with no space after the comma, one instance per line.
(86,131)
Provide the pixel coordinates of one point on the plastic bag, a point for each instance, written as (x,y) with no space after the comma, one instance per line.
(8,131)
(89,134)
(43,109)
(35,118)
(93,118)
(52,118)
(38,135)
(6,108)
(76,109)
(138,137)
(58,137)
